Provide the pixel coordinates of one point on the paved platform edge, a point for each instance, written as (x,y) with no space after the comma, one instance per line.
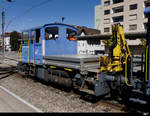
(20,99)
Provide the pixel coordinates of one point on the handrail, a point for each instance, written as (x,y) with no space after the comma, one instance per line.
(28,51)
(17,56)
(33,53)
(126,68)
(97,74)
(146,64)
(19,53)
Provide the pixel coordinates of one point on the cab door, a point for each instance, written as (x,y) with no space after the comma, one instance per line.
(25,47)
(38,47)
(32,47)
(35,47)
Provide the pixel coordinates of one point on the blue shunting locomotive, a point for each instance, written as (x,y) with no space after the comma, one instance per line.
(50,39)
(50,53)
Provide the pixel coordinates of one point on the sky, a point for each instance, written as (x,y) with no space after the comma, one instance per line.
(25,14)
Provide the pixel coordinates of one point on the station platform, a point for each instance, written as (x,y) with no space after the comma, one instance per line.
(10,102)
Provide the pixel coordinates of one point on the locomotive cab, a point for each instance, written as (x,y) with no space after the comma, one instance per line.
(59,40)
(50,53)
(50,39)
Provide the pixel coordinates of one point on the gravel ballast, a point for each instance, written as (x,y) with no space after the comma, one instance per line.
(47,98)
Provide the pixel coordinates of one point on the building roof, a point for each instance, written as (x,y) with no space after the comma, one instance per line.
(87,31)
(139,35)
(7,34)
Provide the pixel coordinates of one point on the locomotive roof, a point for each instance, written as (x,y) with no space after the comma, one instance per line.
(39,27)
(147,10)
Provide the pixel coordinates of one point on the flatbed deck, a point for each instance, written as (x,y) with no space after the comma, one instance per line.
(78,62)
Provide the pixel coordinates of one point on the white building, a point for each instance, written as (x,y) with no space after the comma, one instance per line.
(6,41)
(89,46)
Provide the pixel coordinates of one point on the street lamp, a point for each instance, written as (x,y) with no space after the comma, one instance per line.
(3,25)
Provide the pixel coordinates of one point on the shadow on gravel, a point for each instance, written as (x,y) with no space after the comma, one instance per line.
(91,98)
(84,96)
(54,85)
(7,68)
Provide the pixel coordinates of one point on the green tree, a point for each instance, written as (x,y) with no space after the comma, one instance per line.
(15,40)
(143,42)
(107,43)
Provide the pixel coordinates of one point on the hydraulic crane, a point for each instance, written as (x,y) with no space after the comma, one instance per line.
(117,69)
(147,67)
(119,52)
(119,60)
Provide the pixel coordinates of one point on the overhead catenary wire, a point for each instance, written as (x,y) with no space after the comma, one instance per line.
(27,11)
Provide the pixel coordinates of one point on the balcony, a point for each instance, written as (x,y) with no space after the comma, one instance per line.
(118,9)
(133,27)
(117,1)
(117,19)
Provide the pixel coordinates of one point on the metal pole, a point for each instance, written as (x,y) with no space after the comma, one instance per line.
(3,24)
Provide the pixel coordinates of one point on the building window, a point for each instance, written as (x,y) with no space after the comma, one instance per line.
(51,33)
(118,9)
(133,6)
(38,35)
(107,29)
(107,3)
(147,3)
(145,26)
(117,1)
(70,34)
(106,12)
(133,27)
(133,17)
(117,19)
(32,36)
(106,21)
(146,15)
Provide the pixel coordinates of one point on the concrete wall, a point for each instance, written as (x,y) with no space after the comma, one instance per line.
(89,47)
(98,14)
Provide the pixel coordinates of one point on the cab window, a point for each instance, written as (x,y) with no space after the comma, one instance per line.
(32,37)
(70,33)
(38,35)
(25,37)
(51,33)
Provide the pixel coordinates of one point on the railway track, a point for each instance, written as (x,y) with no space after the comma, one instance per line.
(11,70)
(116,106)
(7,71)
